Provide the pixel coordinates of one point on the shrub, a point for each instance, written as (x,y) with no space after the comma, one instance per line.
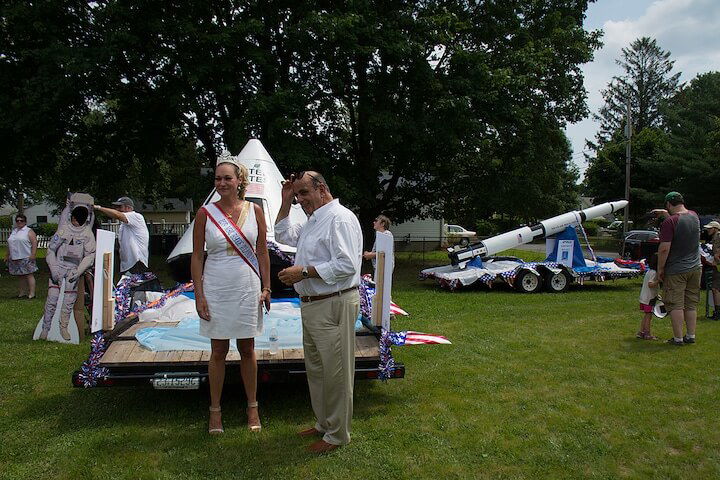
(601,222)
(484,228)
(6,221)
(46,229)
(503,225)
(591,228)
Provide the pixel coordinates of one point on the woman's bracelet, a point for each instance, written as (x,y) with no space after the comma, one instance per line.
(267,289)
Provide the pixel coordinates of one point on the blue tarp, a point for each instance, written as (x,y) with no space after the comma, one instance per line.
(185,336)
(578,259)
(475,262)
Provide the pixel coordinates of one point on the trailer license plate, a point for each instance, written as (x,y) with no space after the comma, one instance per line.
(177,383)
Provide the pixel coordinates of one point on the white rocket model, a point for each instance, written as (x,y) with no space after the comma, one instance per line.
(490,246)
(264,188)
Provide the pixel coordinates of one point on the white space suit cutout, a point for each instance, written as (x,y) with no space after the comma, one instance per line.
(70,253)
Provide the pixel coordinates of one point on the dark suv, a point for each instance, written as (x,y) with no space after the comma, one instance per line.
(639,244)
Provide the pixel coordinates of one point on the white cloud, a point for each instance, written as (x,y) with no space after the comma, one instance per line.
(686,28)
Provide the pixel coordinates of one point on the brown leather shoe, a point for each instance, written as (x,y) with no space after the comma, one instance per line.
(310,432)
(321,446)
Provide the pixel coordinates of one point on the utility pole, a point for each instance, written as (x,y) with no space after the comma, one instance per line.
(628,134)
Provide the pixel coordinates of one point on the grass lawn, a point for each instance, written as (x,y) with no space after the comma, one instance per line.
(534,386)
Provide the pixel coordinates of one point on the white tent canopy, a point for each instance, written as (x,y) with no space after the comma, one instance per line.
(265,189)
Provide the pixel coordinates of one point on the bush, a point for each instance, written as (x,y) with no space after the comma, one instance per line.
(484,228)
(601,222)
(503,225)
(591,228)
(6,221)
(46,229)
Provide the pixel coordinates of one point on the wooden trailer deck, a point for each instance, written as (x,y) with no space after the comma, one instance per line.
(125,351)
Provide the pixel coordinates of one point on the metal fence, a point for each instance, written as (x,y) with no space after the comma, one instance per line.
(402,244)
(156,229)
(161,228)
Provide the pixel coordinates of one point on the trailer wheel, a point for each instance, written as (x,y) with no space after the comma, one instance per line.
(557,282)
(528,282)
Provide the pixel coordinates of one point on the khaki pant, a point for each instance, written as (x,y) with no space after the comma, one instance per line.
(329,344)
(681,291)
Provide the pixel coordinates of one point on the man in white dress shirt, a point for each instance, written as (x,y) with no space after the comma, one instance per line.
(326,275)
(133,235)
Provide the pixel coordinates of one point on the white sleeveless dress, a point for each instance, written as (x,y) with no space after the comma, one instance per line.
(231,287)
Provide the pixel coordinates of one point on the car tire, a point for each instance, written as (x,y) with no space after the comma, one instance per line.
(464,242)
(557,282)
(527,282)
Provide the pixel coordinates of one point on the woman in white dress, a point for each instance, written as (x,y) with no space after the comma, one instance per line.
(20,256)
(231,284)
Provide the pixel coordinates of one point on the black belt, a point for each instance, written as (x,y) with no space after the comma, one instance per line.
(323,297)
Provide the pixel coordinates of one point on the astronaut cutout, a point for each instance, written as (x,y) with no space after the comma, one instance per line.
(70,253)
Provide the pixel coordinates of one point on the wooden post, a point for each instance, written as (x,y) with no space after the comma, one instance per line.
(377,304)
(79,307)
(107,299)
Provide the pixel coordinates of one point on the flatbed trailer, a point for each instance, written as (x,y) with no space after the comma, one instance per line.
(131,364)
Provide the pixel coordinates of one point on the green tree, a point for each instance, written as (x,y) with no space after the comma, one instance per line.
(390,99)
(537,181)
(651,179)
(43,88)
(64,128)
(646,81)
(386,98)
(692,117)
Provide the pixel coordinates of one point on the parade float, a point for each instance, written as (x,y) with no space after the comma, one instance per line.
(155,342)
(566,262)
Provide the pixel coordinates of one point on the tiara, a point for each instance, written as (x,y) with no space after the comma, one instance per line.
(226,157)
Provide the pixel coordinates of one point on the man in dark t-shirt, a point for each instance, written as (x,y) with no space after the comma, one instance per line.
(679,267)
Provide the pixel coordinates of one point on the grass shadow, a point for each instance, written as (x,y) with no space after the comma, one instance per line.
(143,406)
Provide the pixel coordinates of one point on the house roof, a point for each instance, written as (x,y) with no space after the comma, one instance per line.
(165,205)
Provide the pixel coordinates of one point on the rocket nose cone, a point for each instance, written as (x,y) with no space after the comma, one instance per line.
(619,205)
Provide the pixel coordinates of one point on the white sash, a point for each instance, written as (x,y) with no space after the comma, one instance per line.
(234,236)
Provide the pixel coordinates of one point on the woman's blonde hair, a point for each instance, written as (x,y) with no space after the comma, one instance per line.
(241,172)
(384,221)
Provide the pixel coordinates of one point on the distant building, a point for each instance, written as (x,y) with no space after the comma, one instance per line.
(419,234)
(167,210)
(42,212)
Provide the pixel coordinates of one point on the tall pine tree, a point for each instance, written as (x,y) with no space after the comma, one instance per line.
(646,82)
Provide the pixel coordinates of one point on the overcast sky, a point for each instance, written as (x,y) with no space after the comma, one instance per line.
(688,29)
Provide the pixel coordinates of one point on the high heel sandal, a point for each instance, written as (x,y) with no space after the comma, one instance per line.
(253,427)
(215,431)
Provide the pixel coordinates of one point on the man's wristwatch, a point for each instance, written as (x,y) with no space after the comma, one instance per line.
(305,273)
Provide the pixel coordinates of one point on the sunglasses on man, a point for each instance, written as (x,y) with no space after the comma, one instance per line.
(299,175)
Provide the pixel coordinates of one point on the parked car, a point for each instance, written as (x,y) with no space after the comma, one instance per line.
(457,234)
(639,244)
(614,227)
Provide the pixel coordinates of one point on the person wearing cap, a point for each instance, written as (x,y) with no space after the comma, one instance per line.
(679,267)
(713,232)
(133,235)
(326,275)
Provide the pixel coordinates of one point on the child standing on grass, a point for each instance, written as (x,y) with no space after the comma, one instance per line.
(648,292)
